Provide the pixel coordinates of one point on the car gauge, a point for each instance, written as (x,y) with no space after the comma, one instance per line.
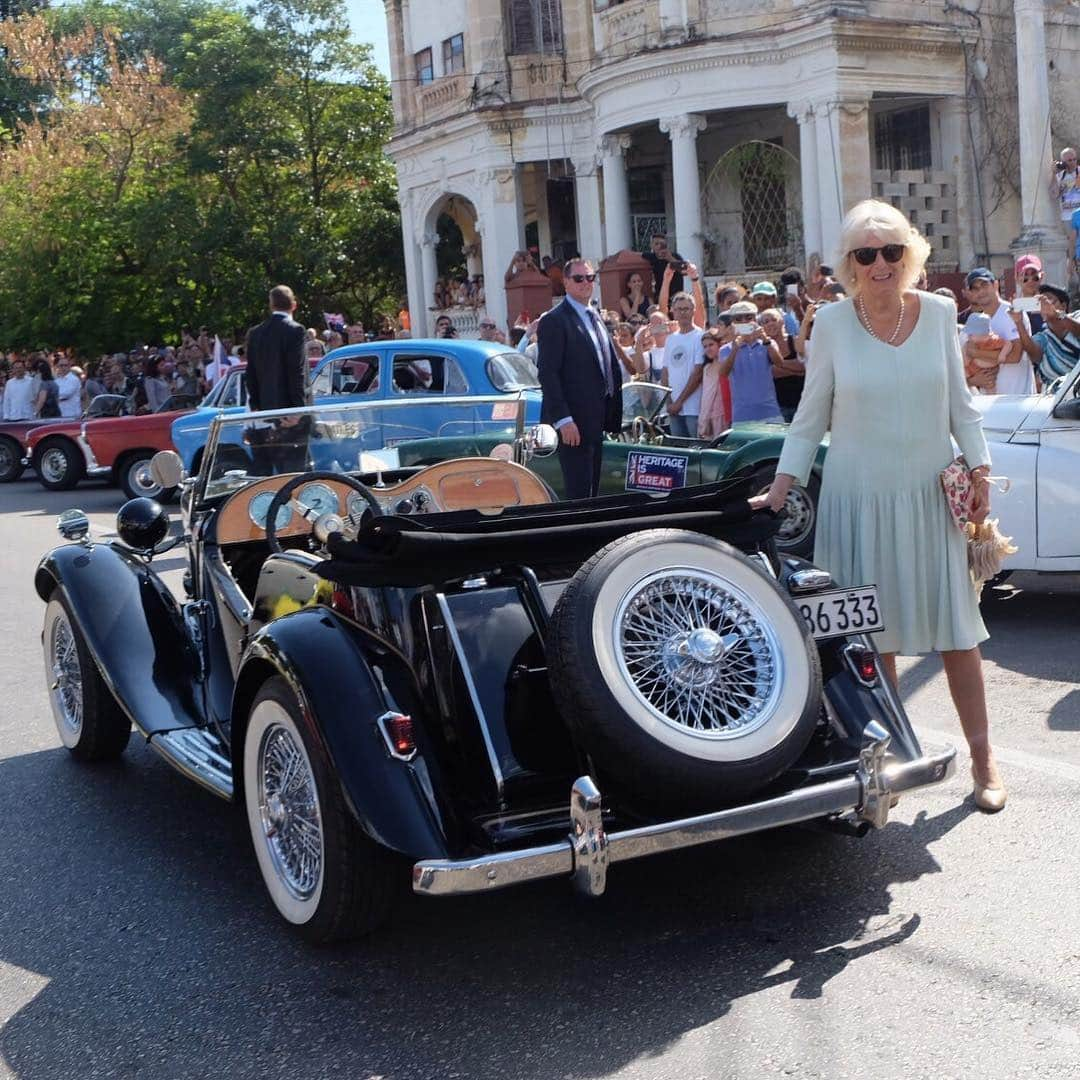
(356,505)
(318,498)
(260,504)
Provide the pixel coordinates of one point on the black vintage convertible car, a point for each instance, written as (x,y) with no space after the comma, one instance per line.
(438,668)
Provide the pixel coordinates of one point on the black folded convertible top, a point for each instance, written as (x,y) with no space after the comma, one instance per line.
(413,551)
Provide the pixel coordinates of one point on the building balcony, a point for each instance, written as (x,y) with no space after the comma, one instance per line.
(628,28)
(443,97)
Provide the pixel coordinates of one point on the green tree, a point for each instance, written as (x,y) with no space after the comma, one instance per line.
(190,154)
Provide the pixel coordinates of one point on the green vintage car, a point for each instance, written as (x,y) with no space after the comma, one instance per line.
(646,457)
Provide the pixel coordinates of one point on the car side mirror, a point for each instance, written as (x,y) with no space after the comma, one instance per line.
(167,468)
(1068,410)
(542,441)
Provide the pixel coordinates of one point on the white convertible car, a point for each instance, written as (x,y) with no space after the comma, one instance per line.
(1035,442)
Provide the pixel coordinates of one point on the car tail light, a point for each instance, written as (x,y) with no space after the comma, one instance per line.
(863,662)
(397,729)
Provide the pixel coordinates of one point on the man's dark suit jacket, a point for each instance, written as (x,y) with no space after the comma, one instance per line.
(276,368)
(570,377)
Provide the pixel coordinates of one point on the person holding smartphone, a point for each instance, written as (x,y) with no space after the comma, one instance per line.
(751,363)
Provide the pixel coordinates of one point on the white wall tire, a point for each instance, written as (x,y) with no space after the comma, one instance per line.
(88,719)
(323,875)
(682,668)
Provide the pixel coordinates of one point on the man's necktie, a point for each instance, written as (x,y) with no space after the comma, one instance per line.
(605,352)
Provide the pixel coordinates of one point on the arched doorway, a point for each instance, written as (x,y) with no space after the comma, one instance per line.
(752,210)
(454,281)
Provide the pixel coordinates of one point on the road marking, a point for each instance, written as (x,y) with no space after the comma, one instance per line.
(1064,770)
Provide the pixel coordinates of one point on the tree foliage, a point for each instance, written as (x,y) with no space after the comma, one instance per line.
(187,156)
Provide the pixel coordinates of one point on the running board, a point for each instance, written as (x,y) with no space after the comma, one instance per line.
(199,755)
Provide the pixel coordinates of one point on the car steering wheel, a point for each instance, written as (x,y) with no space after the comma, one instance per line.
(284,494)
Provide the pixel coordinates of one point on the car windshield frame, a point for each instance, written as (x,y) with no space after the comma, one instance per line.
(516,358)
(663,394)
(1070,387)
(505,414)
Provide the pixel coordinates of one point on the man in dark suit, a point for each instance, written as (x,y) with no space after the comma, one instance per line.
(579,379)
(277,379)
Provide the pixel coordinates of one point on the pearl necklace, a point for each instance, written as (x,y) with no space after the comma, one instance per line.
(866,320)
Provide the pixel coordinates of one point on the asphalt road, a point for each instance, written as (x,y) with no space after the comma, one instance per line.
(135,939)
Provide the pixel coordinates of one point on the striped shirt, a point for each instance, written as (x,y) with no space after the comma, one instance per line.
(1059,354)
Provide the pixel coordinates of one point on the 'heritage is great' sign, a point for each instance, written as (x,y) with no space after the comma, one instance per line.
(647,470)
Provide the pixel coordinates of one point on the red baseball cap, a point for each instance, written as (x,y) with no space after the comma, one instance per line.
(1028,262)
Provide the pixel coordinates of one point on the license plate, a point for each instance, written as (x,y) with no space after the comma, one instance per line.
(841,611)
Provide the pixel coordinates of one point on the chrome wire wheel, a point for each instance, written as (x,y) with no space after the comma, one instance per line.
(698,653)
(53,465)
(67,686)
(288,804)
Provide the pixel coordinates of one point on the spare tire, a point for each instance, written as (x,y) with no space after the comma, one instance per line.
(682,669)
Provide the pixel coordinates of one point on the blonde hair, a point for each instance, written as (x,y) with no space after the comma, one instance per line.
(888,223)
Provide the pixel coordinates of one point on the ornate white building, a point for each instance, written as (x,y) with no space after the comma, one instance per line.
(743,128)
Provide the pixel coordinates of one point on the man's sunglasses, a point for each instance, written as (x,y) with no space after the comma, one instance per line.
(867,256)
(579,278)
(487,326)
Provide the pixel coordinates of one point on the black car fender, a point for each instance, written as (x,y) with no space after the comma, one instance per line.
(133,628)
(340,698)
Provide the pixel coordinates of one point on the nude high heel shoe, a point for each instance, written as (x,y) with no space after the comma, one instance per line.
(991,796)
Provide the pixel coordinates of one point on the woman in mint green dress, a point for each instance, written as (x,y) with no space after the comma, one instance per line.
(886,379)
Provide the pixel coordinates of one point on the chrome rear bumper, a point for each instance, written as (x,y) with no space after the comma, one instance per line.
(588,850)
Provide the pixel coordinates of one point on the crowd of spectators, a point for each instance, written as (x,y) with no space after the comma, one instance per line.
(58,383)
(743,358)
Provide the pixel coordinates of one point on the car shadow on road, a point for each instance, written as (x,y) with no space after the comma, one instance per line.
(27,496)
(135,899)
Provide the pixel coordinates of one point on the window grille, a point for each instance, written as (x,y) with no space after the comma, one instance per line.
(534,26)
(763,182)
(902,139)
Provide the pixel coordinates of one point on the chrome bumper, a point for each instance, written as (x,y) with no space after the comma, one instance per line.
(588,850)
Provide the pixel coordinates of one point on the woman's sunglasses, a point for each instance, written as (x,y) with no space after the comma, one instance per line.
(867,256)
(579,278)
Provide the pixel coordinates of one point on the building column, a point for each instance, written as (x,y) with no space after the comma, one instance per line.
(843,144)
(617,232)
(587,208)
(1041,231)
(808,170)
(955,154)
(429,274)
(414,280)
(502,230)
(683,131)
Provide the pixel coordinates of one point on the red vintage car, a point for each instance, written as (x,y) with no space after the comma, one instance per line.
(117,449)
(14,433)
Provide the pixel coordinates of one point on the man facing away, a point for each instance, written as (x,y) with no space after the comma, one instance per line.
(276,376)
(579,380)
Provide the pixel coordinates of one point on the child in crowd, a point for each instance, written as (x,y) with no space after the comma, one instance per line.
(983,349)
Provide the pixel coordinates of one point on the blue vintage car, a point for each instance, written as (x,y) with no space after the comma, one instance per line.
(382,371)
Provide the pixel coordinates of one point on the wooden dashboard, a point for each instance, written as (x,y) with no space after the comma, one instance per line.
(483,484)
